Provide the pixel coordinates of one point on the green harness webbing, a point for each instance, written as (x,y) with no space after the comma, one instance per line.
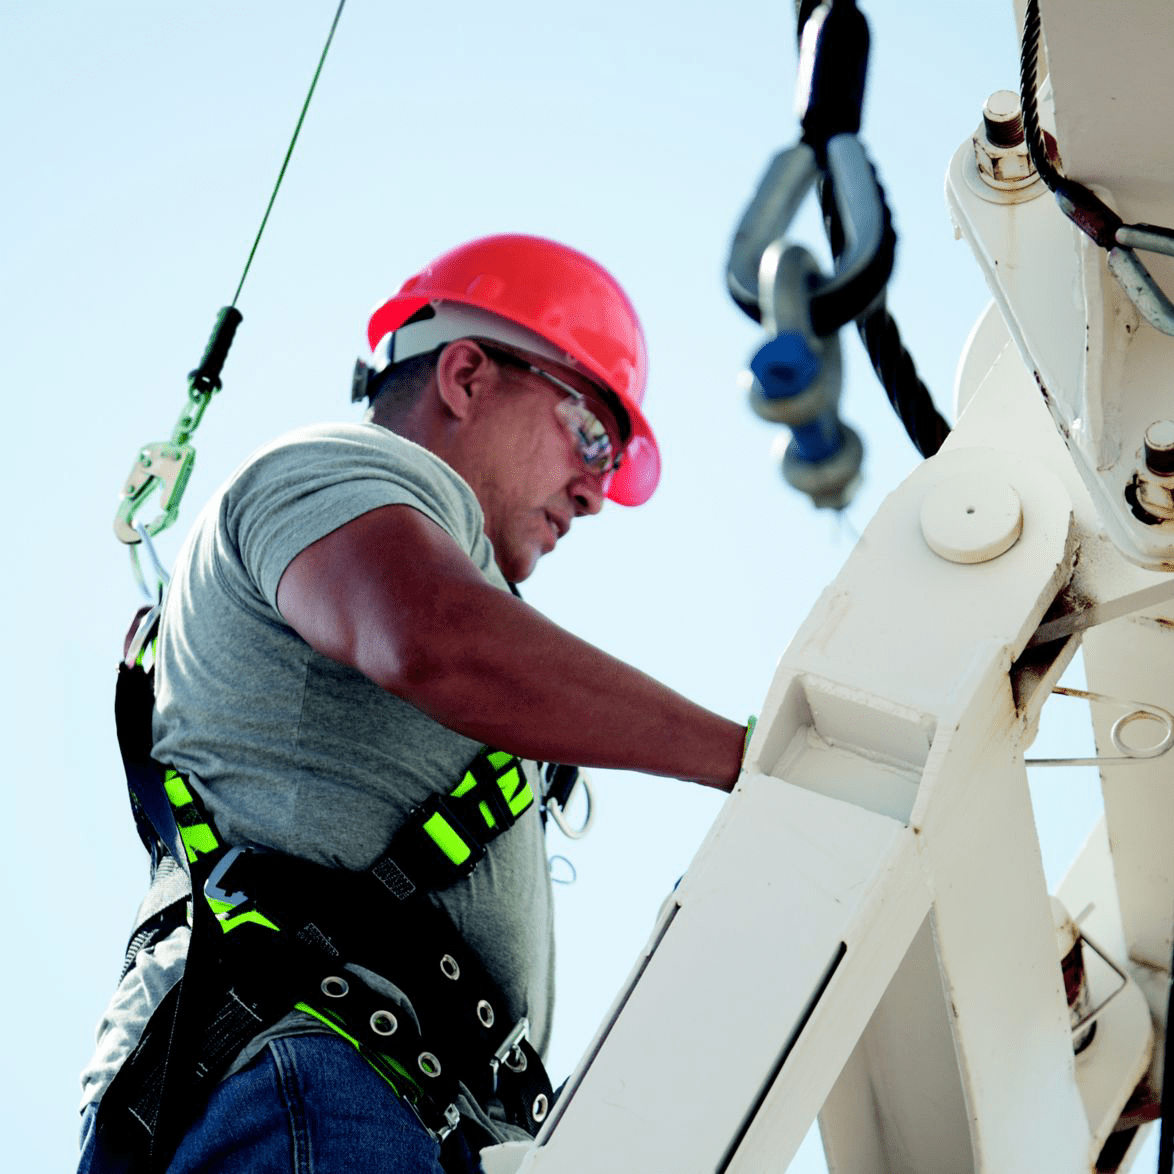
(274,933)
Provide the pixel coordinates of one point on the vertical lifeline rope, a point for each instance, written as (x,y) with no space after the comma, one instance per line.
(293,140)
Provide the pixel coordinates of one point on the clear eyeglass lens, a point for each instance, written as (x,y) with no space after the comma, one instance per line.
(590,436)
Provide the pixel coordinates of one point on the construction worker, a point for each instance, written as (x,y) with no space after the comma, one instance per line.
(340,644)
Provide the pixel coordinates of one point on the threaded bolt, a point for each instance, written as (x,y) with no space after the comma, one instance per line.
(1159,447)
(1002,119)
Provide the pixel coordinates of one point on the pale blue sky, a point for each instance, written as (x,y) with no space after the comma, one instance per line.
(142,141)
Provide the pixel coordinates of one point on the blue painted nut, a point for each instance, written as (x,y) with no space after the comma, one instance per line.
(786,365)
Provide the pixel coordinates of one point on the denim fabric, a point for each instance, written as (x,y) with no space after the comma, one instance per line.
(308,1104)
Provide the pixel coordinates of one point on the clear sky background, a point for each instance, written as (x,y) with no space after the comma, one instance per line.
(141,143)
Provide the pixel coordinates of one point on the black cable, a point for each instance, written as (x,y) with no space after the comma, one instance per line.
(908,395)
(926,428)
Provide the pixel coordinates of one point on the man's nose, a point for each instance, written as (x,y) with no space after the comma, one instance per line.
(587,492)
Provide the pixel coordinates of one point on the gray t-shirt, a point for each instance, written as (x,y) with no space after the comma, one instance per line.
(297,752)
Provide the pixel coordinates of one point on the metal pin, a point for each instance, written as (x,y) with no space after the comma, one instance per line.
(1140,711)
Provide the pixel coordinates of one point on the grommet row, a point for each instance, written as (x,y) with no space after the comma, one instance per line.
(384,1023)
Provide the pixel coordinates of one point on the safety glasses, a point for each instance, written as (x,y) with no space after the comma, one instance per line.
(591,437)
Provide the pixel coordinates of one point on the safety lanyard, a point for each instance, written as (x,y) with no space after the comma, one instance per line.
(165,466)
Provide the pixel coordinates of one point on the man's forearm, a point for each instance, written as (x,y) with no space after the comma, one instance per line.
(515,680)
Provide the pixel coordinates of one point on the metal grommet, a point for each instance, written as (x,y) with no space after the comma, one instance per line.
(334,987)
(484,1013)
(540,1107)
(384,1023)
(429,1064)
(449,967)
(516,1060)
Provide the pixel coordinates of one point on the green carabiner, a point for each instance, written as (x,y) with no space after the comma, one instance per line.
(159,466)
(166,465)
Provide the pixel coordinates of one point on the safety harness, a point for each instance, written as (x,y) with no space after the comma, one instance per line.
(271,933)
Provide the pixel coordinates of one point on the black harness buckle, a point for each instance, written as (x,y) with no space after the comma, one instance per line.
(435,846)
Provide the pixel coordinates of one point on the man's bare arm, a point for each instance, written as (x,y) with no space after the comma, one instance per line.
(392,595)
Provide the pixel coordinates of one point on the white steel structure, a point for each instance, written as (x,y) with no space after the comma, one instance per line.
(866,933)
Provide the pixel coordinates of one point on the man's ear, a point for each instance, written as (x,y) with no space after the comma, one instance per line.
(462,373)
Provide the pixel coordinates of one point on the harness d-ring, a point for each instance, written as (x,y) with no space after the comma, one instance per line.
(556,812)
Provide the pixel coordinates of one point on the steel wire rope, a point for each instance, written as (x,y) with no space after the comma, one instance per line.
(1083,207)
(1029,101)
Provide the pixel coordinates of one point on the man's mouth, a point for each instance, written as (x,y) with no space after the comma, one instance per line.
(560,526)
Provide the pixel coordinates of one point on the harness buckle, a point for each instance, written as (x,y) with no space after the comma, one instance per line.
(452,1119)
(218,888)
(452,850)
(509,1052)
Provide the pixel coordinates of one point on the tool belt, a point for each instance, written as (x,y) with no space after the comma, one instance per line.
(272,933)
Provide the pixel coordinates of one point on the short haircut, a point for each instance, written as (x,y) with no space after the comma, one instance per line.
(400,385)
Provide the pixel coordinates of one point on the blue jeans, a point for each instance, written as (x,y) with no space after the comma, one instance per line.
(307,1104)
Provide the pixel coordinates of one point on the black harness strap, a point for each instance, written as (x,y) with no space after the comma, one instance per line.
(134,702)
(164,908)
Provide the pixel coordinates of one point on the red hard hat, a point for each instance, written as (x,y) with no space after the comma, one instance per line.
(563,297)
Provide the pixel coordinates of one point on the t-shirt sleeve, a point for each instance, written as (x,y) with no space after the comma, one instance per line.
(301,489)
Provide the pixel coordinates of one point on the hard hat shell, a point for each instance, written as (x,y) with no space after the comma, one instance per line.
(562,296)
